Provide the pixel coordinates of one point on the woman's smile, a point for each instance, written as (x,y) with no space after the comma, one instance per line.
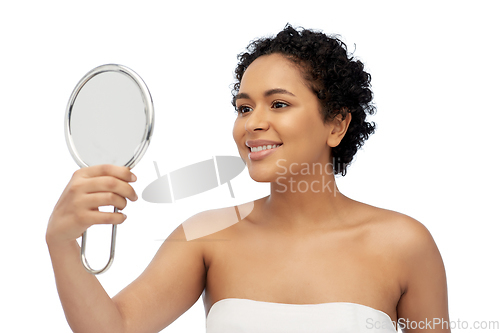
(258,153)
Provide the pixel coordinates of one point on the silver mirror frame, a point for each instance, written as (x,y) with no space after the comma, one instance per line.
(149,112)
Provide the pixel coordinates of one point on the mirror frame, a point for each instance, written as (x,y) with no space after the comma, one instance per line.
(148,109)
(149,112)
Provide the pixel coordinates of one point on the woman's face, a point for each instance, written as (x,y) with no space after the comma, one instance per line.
(275,104)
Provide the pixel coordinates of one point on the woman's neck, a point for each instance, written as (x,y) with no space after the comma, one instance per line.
(299,203)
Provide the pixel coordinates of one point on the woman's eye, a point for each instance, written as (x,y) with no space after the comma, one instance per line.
(243,109)
(279,105)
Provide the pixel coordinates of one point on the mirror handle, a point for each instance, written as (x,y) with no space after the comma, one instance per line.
(111,253)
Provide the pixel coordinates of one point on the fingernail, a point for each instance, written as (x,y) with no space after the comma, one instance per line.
(134,178)
(124,215)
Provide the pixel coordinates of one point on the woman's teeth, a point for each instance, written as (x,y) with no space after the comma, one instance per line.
(253,149)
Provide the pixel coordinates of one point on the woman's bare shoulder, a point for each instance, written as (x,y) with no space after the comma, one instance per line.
(403,233)
(394,222)
(419,264)
(408,231)
(210,222)
(407,242)
(407,237)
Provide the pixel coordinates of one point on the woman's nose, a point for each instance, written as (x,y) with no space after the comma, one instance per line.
(257,120)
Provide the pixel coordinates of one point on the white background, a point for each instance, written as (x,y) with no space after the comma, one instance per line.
(433,157)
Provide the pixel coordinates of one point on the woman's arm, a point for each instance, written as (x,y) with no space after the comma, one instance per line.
(86,304)
(423,306)
(170,285)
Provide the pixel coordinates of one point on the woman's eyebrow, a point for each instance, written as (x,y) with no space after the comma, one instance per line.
(277,91)
(266,94)
(241,96)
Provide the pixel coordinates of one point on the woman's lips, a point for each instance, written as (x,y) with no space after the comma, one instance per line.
(259,155)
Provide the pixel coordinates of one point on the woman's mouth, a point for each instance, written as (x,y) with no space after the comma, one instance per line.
(260,152)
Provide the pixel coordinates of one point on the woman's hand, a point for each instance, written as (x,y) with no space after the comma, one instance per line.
(170,285)
(88,189)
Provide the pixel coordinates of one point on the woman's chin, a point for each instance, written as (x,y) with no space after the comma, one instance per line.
(263,177)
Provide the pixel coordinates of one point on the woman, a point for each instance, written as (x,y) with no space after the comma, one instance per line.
(306,258)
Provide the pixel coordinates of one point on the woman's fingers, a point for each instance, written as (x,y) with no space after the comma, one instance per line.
(119,172)
(99,199)
(106,217)
(109,184)
(90,188)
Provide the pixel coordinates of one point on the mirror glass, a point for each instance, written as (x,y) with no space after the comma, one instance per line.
(110,118)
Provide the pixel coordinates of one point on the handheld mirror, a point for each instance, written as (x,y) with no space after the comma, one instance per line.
(109,120)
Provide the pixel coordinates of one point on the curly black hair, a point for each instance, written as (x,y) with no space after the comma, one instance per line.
(338,80)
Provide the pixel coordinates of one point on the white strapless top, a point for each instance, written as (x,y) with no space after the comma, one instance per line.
(236,315)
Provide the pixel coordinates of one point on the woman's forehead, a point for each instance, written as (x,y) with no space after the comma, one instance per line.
(270,72)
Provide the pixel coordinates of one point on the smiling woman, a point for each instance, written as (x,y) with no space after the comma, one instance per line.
(301,102)
(305,258)
(339,83)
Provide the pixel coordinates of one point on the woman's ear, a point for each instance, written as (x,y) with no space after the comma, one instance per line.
(338,128)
